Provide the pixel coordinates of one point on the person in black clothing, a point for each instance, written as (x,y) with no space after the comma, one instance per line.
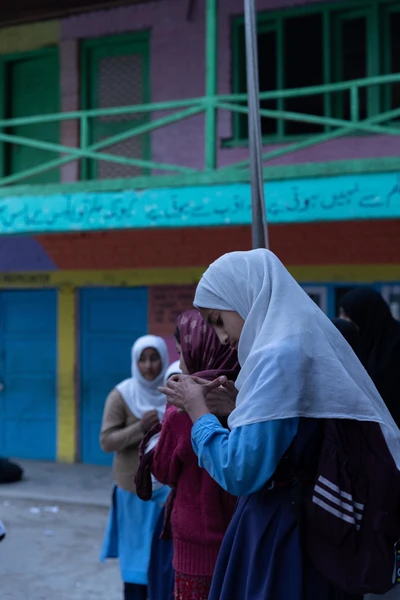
(350,333)
(380,342)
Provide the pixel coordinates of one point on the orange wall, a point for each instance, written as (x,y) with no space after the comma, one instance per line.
(347,242)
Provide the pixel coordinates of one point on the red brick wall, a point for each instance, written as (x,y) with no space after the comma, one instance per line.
(358,242)
(141,249)
(341,243)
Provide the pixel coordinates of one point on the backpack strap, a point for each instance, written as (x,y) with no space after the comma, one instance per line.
(287,476)
(296,486)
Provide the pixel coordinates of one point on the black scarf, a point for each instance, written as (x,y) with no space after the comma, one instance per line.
(380,342)
(350,334)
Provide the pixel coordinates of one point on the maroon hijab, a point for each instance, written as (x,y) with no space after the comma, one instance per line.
(203,353)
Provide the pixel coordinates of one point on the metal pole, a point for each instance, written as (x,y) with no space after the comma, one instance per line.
(259,219)
(211,84)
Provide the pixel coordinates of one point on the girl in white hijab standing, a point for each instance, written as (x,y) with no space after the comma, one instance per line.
(294,364)
(131,409)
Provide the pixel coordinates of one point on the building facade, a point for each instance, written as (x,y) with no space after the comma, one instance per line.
(124,173)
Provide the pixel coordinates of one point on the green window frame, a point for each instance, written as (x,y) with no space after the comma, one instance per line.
(334,15)
(92,53)
(388,10)
(6,104)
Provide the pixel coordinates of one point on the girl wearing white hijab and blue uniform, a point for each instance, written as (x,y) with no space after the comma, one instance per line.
(294,364)
(132,409)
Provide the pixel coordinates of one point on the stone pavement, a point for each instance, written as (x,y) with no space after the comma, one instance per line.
(55,520)
(88,485)
(51,552)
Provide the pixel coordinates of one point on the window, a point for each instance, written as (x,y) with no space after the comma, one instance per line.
(116,73)
(391,53)
(38,72)
(391,293)
(350,60)
(318,45)
(304,37)
(319,295)
(394,67)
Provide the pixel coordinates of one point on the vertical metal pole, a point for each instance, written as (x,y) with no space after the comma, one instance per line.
(211,84)
(259,219)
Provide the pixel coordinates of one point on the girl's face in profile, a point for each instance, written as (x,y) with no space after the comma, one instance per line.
(182,364)
(150,364)
(227,324)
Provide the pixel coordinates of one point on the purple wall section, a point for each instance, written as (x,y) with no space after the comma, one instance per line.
(23,254)
(178,71)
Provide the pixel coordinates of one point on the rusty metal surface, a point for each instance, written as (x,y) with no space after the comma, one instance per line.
(23,11)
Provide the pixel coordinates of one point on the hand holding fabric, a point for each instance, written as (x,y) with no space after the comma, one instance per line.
(149,419)
(221,401)
(190,396)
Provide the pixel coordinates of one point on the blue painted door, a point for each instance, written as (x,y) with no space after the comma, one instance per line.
(28,358)
(111,320)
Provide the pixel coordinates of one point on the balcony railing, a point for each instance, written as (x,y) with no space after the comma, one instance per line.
(382,123)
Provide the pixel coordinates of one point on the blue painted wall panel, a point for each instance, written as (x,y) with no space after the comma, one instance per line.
(111,320)
(28,357)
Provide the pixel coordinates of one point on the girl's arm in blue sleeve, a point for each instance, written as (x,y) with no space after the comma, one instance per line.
(242,460)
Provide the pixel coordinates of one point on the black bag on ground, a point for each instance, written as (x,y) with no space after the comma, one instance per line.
(352,516)
(10,472)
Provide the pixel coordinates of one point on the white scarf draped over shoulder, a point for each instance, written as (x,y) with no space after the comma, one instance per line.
(142,395)
(294,361)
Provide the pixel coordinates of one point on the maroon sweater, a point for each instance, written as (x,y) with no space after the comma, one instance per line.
(202,509)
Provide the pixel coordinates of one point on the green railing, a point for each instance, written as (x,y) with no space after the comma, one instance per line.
(334,127)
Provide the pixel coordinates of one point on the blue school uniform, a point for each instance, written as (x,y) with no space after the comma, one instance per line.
(130,531)
(261,557)
(161,574)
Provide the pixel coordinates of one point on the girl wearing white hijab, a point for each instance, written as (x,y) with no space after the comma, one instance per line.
(131,410)
(294,364)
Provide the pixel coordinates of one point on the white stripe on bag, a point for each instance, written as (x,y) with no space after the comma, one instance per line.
(319,490)
(337,489)
(335,512)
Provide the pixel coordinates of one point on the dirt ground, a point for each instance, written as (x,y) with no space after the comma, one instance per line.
(51,552)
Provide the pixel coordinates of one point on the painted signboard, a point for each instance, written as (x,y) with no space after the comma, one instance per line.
(291,201)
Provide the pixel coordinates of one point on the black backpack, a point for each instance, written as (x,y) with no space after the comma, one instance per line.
(351,521)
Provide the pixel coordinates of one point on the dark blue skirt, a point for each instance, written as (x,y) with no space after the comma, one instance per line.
(161,575)
(261,556)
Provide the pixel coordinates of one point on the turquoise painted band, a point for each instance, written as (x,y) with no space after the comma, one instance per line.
(372,196)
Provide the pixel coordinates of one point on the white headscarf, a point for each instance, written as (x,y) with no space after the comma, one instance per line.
(173,369)
(294,361)
(139,394)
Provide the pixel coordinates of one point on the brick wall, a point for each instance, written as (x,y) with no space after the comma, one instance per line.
(359,242)
(340,243)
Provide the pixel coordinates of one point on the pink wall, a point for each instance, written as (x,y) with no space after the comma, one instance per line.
(178,71)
